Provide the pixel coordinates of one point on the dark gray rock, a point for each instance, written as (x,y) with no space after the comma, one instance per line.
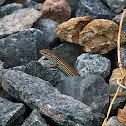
(113,121)
(10,111)
(21,48)
(39,1)
(116,5)
(37,93)
(68,52)
(9,8)
(117,19)
(18,21)
(92,64)
(33,4)
(74,5)
(2,1)
(123,55)
(35,68)
(1,72)
(35,119)
(92,91)
(48,27)
(96,9)
(120,101)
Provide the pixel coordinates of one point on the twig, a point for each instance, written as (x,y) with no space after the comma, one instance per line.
(120,66)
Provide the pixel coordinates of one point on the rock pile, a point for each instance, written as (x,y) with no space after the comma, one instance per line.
(33,94)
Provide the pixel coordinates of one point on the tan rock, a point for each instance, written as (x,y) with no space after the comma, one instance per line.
(69,30)
(57,10)
(100,36)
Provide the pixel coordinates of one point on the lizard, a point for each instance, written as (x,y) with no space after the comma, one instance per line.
(59,62)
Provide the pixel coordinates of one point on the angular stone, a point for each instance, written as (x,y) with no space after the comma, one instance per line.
(48,27)
(33,4)
(68,52)
(113,121)
(100,36)
(69,30)
(96,9)
(74,5)
(21,48)
(9,8)
(119,102)
(10,111)
(1,72)
(40,94)
(18,21)
(116,5)
(123,55)
(34,68)
(92,91)
(117,19)
(35,119)
(57,10)
(92,64)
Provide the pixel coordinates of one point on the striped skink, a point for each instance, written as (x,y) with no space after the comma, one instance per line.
(61,63)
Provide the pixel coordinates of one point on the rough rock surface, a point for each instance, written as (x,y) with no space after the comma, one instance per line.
(92,91)
(123,55)
(33,4)
(10,111)
(117,19)
(69,30)
(48,27)
(57,10)
(68,52)
(21,48)
(74,5)
(34,68)
(9,8)
(113,121)
(18,21)
(100,36)
(95,8)
(35,119)
(40,94)
(92,64)
(116,5)
(1,72)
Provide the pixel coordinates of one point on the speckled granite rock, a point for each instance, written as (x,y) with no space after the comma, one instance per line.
(21,48)
(116,5)
(40,94)
(100,36)
(1,72)
(96,9)
(57,10)
(92,91)
(10,111)
(35,119)
(9,8)
(92,64)
(18,21)
(113,121)
(69,31)
(34,68)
